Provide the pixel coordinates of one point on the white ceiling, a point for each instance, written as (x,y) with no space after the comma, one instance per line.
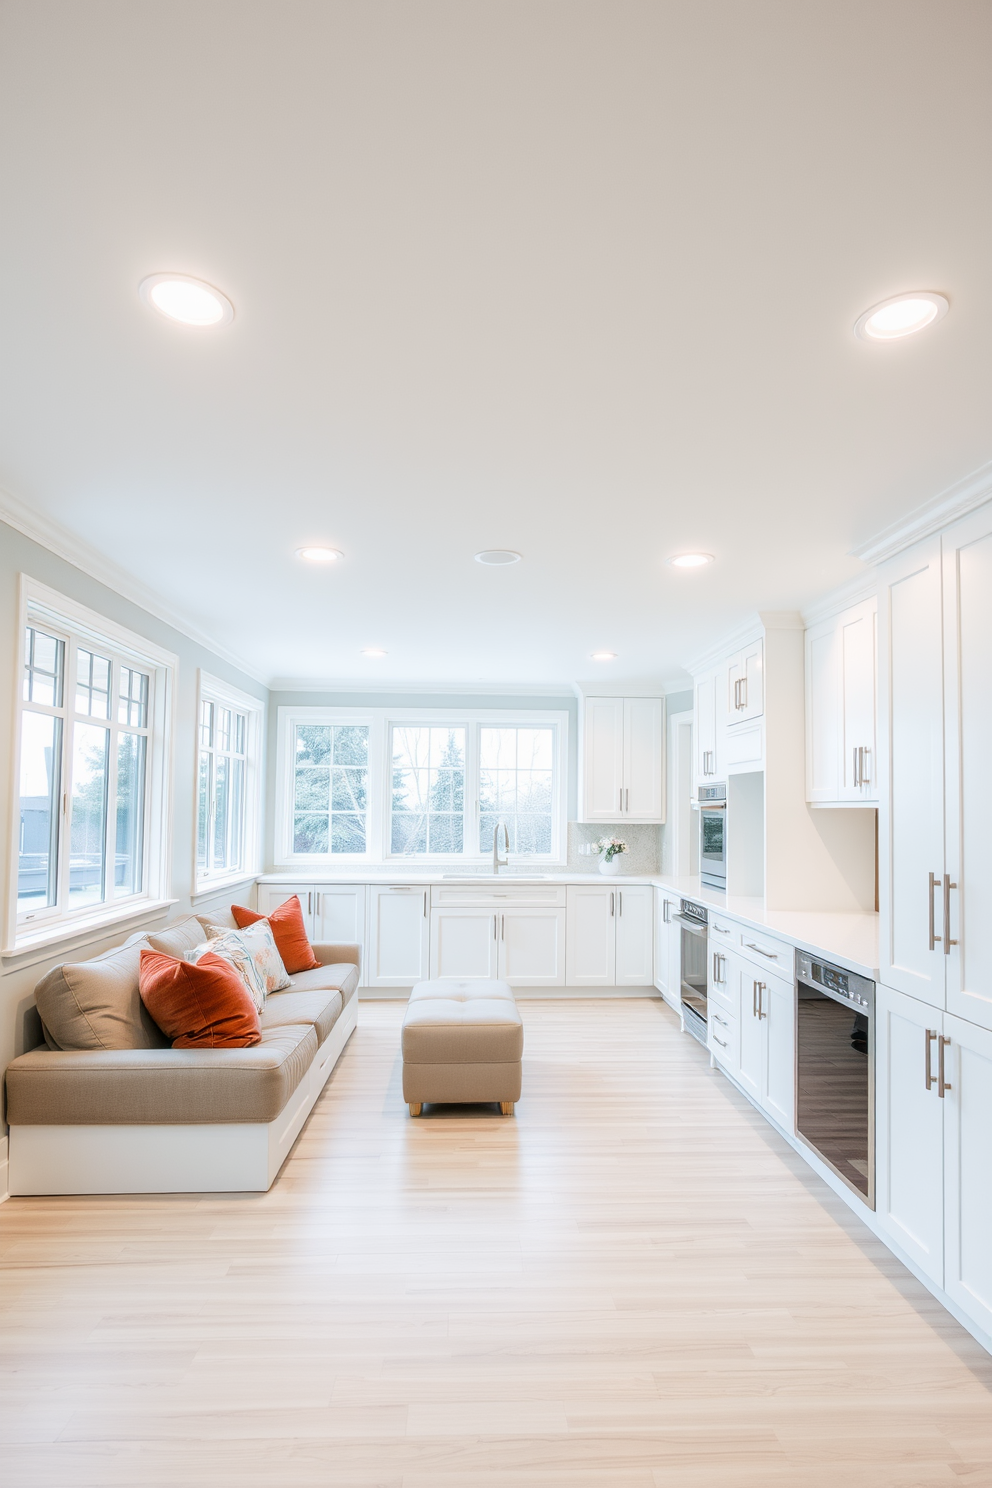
(573,278)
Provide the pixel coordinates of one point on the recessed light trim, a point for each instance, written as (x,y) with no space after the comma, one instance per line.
(902,315)
(497,557)
(690,560)
(603,655)
(185,300)
(319,554)
(373,651)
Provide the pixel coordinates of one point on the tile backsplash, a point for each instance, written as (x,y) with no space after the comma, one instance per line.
(643,853)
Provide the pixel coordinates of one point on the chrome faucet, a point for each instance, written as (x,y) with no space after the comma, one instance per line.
(499,862)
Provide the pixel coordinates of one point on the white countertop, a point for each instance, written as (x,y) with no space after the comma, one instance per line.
(849,939)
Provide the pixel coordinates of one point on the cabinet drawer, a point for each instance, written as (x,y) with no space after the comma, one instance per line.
(487,895)
(724,932)
(724,983)
(743,744)
(724,1037)
(767,952)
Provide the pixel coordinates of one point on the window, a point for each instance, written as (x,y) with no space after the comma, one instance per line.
(393,783)
(228,780)
(91,738)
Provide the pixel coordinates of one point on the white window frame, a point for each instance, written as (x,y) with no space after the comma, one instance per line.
(380,722)
(210,689)
(47,609)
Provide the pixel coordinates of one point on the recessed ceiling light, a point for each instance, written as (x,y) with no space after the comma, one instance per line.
(901,316)
(690,560)
(497,557)
(604,656)
(319,555)
(374,651)
(178,297)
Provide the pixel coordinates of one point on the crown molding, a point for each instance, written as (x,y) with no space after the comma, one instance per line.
(392,686)
(631,687)
(956,501)
(855,591)
(72,549)
(745,633)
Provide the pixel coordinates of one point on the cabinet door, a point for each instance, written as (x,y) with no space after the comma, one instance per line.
(463,943)
(602,759)
(644,759)
(911,810)
(752,1031)
(778,1089)
(399,936)
(824,735)
(635,936)
(532,947)
(705,724)
(666,934)
(857,653)
(270,896)
(339,913)
(968,1169)
(590,958)
(753,673)
(909,1159)
(967,557)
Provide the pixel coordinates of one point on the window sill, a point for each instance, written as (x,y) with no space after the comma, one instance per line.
(33,945)
(216,886)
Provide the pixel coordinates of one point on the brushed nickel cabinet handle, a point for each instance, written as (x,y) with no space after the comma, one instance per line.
(719,1041)
(495,917)
(934,937)
(948,942)
(309,901)
(425,904)
(666,912)
(759,987)
(744,691)
(621,801)
(620,901)
(612,903)
(866,766)
(770,955)
(930,1035)
(942,1084)
(754,999)
(626,799)
(502,927)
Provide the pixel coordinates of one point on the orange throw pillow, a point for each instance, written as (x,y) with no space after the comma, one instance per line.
(198,1005)
(288,932)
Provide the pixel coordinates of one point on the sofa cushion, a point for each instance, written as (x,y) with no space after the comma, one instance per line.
(286,924)
(96,1004)
(176,939)
(217,919)
(201,1005)
(159,1087)
(322,1009)
(342,978)
(231,947)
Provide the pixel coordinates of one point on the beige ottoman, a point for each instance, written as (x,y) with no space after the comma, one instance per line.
(462,1042)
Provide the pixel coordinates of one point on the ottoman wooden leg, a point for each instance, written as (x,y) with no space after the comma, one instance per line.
(506,1107)
(415,1108)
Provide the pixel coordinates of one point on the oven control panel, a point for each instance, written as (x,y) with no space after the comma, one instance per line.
(694,912)
(845,986)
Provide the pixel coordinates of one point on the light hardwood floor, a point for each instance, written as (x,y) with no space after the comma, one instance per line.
(631,1283)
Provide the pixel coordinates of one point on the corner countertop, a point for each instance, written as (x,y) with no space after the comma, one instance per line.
(849,939)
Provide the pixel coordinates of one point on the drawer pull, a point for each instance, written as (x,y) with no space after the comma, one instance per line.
(719,1041)
(720,930)
(770,955)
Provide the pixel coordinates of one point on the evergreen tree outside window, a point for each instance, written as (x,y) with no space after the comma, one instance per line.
(428,807)
(331,768)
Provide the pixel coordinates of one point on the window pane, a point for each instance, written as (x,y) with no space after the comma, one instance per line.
(203,810)
(223,728)
(206,725)
(130,814)
(92,684)
(132,703)
(37,862)
(241,725)
(516,786)
(222,804)
(87,839)
(43,661)
(235,857)
(428,790)
(330,788)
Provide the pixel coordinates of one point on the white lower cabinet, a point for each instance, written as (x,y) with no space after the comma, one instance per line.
(532,947)
(767,1040)
(270,896)
(398,950)
(464,943)
(933,1116)
(339,913)
(635,936)
(667,947)
(590,952)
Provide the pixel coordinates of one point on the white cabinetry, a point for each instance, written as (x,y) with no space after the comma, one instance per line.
(635,936)
(933,1075)
(532,946)
(621,768)
(464,942)
(667,947)
(516,934)
(590,957)
(841,765)
(745,684)
(710,727)
(767,1039)
(269,897)
(331,912)
(935,671)
(399,935)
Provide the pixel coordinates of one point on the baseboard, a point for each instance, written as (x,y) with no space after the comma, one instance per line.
(522,994)
(4,1170)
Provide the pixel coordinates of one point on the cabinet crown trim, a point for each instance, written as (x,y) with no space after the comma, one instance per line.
(736,640)
(964,496)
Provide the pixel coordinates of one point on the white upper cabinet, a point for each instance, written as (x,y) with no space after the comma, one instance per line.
(841,767)
(622,759)
(710,719)
(745,684)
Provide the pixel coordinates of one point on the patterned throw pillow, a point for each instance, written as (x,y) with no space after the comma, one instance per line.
(230,946)
(260,945)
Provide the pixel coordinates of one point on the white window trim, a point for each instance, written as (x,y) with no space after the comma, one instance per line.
(379,721)
(213,689)
(38,602)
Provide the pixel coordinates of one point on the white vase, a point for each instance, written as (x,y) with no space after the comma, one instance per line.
(613,866)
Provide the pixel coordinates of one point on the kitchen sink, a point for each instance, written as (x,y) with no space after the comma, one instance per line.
(496,878)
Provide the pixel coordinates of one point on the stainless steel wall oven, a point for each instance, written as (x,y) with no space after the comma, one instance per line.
(693,921)
(712,801)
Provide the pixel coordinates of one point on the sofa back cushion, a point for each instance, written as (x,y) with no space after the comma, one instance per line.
(204,1005)
(178,938)
(288,930)
(96,1004)
(230,946)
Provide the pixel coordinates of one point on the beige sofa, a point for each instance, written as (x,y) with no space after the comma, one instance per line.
(105,1105)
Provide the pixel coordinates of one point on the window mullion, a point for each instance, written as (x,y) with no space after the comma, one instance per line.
(68,732)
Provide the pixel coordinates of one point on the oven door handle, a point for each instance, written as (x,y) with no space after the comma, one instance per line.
(693,926)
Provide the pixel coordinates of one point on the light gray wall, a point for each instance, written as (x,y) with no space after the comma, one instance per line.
(279,700)
(19,1028)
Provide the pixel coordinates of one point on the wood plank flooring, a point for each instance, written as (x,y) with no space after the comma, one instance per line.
(633,1283)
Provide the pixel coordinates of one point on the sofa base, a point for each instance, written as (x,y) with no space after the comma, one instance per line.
(235,1157)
